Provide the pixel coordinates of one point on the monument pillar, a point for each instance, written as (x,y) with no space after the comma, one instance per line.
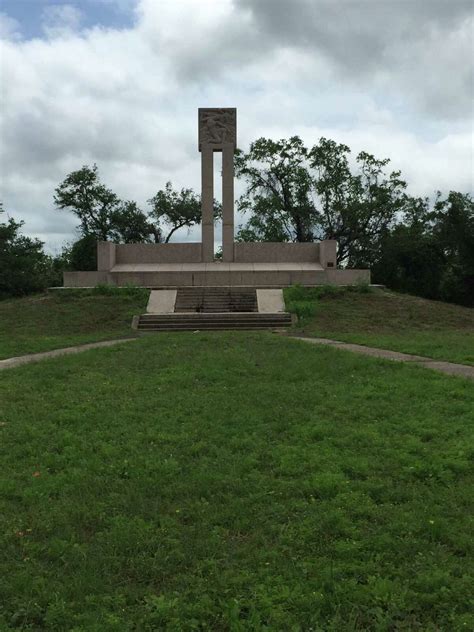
(217,132)
(207,203)
(228,203)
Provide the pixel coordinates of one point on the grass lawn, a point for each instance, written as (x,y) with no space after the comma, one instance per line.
(67,318)
(389,320)
(234,482)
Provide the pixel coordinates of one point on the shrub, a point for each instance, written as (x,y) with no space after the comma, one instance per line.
(302,301)
(130,290)
(303,309)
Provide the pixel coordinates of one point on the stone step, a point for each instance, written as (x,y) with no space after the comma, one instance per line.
(197,323)
(212,321)
(224,321)
(223,315)
(209,327)
(216,299)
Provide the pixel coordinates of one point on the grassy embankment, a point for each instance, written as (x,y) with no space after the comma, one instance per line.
(66,318)
(371,317)
(234,481)
(384,319)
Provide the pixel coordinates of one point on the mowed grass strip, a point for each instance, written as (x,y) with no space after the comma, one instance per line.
(66,318)
(234,481)
(387,320)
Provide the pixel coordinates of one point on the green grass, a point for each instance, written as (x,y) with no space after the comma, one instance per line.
(234,482)
(387,320)
(67,317)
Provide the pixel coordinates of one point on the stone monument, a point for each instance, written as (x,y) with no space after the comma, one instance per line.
(262,265)
(217,132)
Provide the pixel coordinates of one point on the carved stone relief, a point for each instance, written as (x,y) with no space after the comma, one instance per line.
(217,127)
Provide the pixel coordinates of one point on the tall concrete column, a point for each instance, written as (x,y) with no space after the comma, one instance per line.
(228,202)
(207,202)
(217,132)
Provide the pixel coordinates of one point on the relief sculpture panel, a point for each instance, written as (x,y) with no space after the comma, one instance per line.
(217,127)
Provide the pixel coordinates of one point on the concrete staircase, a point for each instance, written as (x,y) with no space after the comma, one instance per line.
(210,300)
(210,308)
(212,321)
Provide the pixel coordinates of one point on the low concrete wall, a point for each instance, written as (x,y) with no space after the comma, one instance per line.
(264,278)
(85,279)
(158,253)
(347,277)
(105,255)
(275,252)
(328,253)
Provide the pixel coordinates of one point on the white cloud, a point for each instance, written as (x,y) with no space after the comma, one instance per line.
(9,27)
(59,20)
(128,99)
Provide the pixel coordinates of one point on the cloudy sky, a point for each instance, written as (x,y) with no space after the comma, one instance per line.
(118,82)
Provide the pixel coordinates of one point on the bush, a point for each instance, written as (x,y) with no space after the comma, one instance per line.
(130,290)
(303,309)
(302,301)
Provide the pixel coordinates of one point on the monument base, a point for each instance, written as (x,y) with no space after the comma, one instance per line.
(217,274)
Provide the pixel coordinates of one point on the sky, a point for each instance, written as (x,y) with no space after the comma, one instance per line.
(118,83)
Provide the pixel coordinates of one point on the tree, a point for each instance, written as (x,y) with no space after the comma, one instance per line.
(129,224)
(296,194)
(430,251)
(103,215)
(83,254)
(354,208)
(82,193)
(176,209)
(278,191)
(24,265)
(454,232)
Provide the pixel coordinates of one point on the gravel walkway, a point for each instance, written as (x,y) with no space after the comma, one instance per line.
(449,368)
(10,363)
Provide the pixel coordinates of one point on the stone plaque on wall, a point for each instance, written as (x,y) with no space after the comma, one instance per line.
(217,127)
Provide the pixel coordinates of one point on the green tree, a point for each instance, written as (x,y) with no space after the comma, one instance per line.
(82,255)
(354,208)
(91,201)
(129,224)
(296,194)
(278,194)
(430,251)
(172,209)
(103,215)
(24,265)
(454,232)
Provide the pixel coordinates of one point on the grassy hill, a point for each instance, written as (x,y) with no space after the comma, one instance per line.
(233,481)
(66,318)
(384,319)
(376,318)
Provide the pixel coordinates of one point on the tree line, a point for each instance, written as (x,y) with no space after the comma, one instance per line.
(292,193)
